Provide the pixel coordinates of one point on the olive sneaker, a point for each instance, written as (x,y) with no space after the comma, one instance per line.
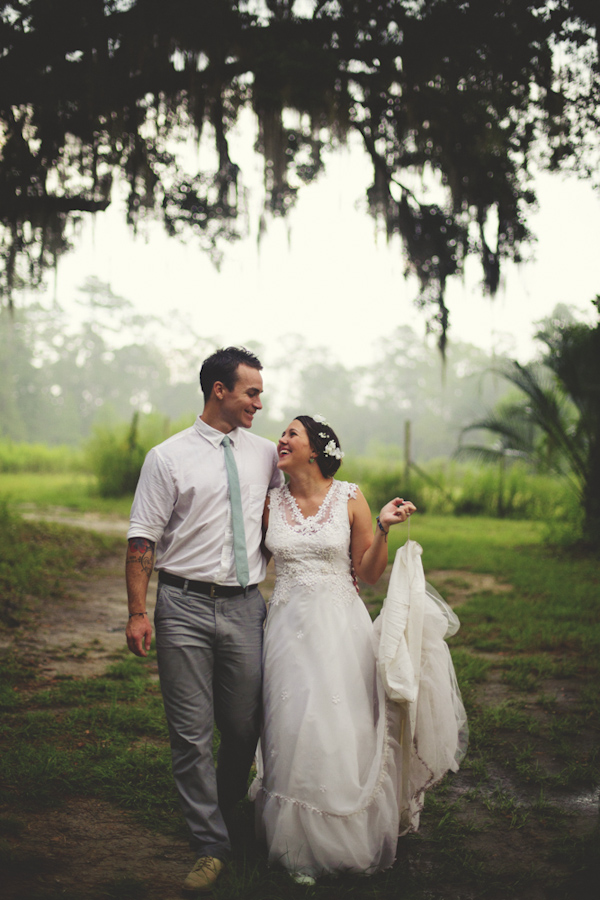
(203,876)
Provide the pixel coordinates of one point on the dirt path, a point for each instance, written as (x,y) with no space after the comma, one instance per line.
(81,637)
(89,843)
(85,844)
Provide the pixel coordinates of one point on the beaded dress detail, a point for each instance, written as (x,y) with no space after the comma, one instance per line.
(312,552)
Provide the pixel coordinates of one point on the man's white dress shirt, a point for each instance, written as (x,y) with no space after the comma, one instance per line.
(182,502)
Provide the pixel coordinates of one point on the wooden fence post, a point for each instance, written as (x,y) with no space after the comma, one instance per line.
(407,456)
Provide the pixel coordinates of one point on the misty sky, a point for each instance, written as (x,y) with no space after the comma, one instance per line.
(325,274)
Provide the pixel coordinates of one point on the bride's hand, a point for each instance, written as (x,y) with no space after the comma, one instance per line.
(396,511)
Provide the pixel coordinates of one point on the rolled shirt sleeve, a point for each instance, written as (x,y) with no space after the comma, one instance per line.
(154,499)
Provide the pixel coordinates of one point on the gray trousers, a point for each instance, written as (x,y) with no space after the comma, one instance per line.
(209,661)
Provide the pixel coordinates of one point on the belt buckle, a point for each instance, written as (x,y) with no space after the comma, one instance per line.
(213,592)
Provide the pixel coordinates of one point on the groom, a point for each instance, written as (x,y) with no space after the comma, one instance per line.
(197,518)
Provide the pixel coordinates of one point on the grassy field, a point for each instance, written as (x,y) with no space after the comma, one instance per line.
(72,490)
(108,465)
(516,822)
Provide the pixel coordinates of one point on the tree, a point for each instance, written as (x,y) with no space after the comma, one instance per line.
(411,383)
(555,424)
(453,101)
(573,355)
(21,382)
(61,380)
(58,379)
(369,405)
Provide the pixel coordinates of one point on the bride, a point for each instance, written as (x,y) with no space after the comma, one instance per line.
(329,792)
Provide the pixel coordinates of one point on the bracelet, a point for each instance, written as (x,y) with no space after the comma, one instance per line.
(380,526)
(131,615)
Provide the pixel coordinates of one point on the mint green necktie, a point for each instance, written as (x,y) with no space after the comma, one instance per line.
(237,516)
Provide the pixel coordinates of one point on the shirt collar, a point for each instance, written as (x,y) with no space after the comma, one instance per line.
(214,436)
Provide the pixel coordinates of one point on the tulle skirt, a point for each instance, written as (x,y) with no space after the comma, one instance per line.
(341,769)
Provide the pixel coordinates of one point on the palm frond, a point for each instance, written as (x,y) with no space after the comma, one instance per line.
(550,410)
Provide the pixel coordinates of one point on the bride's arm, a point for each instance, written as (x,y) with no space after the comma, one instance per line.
(265,524)
(369,550)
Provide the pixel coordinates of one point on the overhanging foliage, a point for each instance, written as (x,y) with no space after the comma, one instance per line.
(453,101)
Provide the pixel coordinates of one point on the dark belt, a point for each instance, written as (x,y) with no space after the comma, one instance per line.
(204,587)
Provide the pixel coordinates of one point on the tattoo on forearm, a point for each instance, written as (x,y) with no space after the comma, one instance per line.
(140,551)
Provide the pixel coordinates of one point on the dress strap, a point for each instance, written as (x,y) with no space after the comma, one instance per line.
(275,501)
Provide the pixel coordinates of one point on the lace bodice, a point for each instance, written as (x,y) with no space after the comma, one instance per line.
(311,551)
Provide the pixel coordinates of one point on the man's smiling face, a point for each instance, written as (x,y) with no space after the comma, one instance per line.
(239,405)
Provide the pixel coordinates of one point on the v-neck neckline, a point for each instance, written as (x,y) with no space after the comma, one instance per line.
(296,508)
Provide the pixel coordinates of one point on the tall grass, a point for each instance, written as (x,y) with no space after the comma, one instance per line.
(446,487)
(22,457)
(72,491)
(101,476)
(109,465)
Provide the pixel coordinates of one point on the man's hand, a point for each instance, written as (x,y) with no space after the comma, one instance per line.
(139,634)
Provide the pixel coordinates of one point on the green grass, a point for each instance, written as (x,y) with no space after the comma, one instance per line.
(22,457)
(70,490)
(447,487)
(37,558)
(104,737)
(442,487)
(527,663)
(480,544)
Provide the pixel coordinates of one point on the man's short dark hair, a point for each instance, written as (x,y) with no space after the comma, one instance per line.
(222,365)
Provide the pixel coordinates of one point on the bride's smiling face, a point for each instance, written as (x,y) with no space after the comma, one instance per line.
(294,447)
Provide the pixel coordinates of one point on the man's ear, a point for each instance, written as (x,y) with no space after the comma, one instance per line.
(219,390)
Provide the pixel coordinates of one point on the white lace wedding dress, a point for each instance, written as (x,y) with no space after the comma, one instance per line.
(330,790)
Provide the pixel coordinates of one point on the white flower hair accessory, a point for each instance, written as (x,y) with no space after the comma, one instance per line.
(332,449)
(320,419)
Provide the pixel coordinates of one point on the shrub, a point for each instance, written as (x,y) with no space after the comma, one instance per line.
(116,455)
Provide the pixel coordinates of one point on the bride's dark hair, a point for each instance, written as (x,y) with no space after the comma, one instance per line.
(320,437)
